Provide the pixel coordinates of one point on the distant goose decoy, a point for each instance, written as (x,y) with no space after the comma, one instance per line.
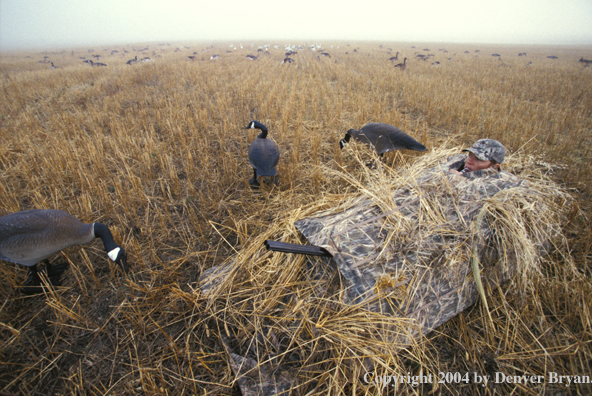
(288,60)
(403,65)
(394,58)
(264,154)
(31,236)
(383,138)
(132,61)
(252,57)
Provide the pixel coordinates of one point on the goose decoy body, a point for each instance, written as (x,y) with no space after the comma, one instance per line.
(264,154)
(383,137)
(403,65)
(31,236)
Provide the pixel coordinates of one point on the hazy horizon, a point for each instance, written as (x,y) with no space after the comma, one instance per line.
(38,24)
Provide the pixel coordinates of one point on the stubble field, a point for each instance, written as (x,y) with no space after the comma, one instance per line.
(158,151)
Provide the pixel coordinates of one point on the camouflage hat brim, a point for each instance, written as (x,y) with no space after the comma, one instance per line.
(480,155)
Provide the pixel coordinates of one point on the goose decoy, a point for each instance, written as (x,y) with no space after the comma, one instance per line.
(394,58)
(383,137)
(132,61)
(31,236)
(403,65)
(264,154)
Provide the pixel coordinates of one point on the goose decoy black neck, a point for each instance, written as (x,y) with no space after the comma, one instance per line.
(114,251)
(258,125)
(346,138)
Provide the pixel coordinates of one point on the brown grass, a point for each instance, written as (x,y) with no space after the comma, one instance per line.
(158,151)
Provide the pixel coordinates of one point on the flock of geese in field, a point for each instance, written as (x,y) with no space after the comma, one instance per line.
(291,51)
(32,236)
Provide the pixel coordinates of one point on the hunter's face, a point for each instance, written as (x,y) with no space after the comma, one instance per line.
(472,163)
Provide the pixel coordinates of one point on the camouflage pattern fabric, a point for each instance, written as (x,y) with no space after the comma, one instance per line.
(423,274)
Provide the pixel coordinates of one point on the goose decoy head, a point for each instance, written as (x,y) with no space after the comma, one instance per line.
(115,252)
(346,138)
(257,125)
(119,256)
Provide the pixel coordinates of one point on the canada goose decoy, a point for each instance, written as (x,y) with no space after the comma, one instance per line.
(263,154)
(31,236)
(383,137)
(394,58)
(132,61)
(403,65)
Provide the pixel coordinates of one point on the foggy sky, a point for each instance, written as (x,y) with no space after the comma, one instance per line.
(38,24)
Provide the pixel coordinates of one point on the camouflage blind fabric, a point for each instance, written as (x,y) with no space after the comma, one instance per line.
(412,261)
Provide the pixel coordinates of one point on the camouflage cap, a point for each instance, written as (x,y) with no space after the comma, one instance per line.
(488,150)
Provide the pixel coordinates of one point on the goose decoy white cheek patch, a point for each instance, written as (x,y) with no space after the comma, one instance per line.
(113,254)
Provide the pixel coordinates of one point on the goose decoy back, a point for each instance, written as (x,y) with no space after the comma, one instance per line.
(383,137)
(264,154)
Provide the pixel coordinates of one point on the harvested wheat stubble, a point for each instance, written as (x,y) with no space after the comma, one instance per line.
(406,249)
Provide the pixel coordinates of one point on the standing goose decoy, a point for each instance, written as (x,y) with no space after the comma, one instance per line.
(264,154)
(383,137)
(31,236)
(403,65)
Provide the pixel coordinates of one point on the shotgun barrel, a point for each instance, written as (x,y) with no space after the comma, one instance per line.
(296,249)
